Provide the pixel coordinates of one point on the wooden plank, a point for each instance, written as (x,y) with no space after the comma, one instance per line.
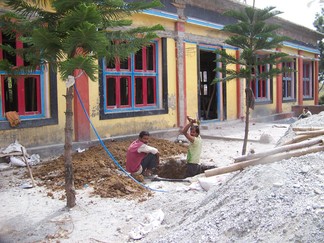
(265,160)
(307,128)
(280,149)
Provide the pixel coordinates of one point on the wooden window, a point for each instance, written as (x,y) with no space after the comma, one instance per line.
(118,92)
(145,59)
(289,81)
(119,65)
(261,87)
(131,84)
(21,93)
(144,91)
(307,80)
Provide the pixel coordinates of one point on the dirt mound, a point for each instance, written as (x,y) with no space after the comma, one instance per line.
(94,167)
(172,169)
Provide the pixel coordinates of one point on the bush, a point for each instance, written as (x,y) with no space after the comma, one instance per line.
(321,99)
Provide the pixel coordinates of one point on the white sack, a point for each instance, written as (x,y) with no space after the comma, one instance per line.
(150,222)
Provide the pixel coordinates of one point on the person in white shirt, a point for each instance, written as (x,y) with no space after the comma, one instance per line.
(306,113)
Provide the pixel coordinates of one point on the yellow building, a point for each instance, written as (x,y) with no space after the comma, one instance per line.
(157,87)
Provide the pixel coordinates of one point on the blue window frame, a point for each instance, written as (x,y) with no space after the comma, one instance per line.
(261,87)
(132,84)
(289,81)
(22,93)
(308,79)
(33,95)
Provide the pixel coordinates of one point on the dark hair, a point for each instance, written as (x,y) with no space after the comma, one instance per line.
(196,129)
(144,133)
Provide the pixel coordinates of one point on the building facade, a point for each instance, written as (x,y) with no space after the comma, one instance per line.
(157,87)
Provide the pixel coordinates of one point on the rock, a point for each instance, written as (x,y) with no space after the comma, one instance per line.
(266,138)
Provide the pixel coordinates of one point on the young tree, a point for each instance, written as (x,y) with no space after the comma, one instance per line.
(319,25)
(251,33)
(72,35)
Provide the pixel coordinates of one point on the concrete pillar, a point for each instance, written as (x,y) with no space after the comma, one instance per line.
(279,88)
(81,122)
(180,55)
(239,101)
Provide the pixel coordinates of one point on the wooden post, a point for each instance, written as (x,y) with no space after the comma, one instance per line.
(301,136)
(311,133)
(29,170)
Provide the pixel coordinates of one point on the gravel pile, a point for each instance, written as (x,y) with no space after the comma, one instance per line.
(315,121)
(277,202)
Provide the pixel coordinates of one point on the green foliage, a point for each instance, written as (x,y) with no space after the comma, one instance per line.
(319,25)
(321,100)
(84,63)
(251,33)
(75,33)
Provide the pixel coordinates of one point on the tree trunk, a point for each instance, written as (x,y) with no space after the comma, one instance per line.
(249,102)
(246,133)
(69,180)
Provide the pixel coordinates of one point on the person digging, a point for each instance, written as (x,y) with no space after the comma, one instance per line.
(194,149)
(142,159)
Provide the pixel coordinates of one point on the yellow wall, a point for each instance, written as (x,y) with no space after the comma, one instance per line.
(191,79)
(231,90)
(172,84)
(149,20)
(204,31)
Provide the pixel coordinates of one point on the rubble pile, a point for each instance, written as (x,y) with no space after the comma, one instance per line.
(276,202)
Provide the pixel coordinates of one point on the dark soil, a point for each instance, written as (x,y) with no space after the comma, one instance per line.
(96,168)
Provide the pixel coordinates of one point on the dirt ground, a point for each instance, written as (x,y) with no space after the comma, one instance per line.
(281,201)
(96,168)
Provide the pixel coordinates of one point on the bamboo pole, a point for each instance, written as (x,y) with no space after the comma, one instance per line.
(29,170)
(316,133)
(298,139)
(265,160)
(279,150)
(307,128)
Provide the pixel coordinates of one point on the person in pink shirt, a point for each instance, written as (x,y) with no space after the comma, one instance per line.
(142,158)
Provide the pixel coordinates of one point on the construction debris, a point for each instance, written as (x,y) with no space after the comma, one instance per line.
(16,155)
(304,140)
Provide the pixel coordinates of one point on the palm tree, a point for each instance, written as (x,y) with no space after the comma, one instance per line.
(72,36)
(251,34)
